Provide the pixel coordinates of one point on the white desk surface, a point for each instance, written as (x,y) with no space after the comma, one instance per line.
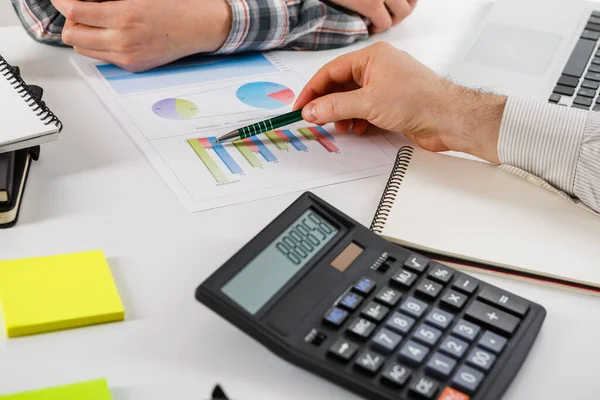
(94,190)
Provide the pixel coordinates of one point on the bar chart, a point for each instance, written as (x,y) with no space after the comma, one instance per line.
(255,152)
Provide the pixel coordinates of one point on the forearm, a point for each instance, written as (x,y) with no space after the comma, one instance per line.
(300,24)
(41,20)
(558,144)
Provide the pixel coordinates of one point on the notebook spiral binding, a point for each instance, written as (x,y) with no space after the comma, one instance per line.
(37,106)
(390,192)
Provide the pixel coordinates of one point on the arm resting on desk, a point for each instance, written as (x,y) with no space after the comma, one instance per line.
(558,144)
(256,24)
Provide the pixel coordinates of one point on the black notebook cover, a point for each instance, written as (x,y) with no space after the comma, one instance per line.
(7,164)
(9,212)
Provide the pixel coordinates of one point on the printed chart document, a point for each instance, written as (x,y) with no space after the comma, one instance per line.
(174,113)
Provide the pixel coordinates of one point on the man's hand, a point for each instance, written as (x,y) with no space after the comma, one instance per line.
(383,14)
(141,34)
(385,87)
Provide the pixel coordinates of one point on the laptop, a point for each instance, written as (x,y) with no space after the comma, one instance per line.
(542,49)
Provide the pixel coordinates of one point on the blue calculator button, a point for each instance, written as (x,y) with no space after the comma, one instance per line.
(467,379)
(492,342)
(454,347)
(466,330)
(386,341)
(481,359)
(336,316)
(413,352)
(427,335)
(441,365)
(364,286)
(400,323)
(439,318)
(351,301)
(413,307)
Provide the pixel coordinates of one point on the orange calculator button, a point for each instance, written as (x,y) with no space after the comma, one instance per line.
(452,394)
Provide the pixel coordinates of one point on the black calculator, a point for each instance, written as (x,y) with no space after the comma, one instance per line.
(325,293)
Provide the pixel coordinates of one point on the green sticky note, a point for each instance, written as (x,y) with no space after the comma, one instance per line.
(92,390)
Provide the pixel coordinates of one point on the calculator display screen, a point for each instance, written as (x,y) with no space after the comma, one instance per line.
(270,270)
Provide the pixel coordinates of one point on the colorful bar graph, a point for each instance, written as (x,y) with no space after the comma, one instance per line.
(263,150)
(320,130)
(250,144)
(225,156)
(279,142)
(322,138)
(307,133)
(247,153)
(294,141)
(210,164)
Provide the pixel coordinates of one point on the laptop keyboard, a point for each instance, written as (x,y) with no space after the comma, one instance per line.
(580,80)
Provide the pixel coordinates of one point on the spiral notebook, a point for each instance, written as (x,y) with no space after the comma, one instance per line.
(473,214)
(24,120)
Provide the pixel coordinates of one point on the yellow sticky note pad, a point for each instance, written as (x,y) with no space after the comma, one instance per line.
(46,294)
(92,390)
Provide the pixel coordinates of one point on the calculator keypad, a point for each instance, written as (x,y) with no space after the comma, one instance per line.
(428,329)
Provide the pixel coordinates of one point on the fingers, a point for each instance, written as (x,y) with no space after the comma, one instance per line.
(342,74)
(84,36)
(336,107)
(102,15)
(381,19)
(398,10)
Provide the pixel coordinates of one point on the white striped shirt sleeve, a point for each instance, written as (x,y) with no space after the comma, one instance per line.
(557,144)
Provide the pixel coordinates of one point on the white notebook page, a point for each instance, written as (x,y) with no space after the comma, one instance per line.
(18,121)
(476,211)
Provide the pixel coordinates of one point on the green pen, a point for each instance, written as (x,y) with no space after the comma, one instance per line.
(262,126)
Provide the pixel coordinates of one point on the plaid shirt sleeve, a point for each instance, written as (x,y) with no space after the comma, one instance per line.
(256,24)
(40,19)
(292,24)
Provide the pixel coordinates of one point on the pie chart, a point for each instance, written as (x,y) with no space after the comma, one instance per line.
(265,95)
(175,109)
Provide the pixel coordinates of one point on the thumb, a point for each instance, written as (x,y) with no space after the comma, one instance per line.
(335,107)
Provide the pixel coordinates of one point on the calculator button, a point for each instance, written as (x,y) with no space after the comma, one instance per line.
(416,263)
(441,365)
(336,316)
(452,394)
(481,359)
(465,284)
(361,328)
(440,273)
(400,323)
(364,286)
(429,289)
(375,312)
(454,347)
(413,352)
(467,379)
(343,349)
(492,342)
(388,297)
(427,335)
(493,317)
(424,387)
(386,341)
(413,307)
(466,330)
(439,318)
(369,361)
(453,299)
(395,374)
(504,300)
(351,301)
(404,278)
